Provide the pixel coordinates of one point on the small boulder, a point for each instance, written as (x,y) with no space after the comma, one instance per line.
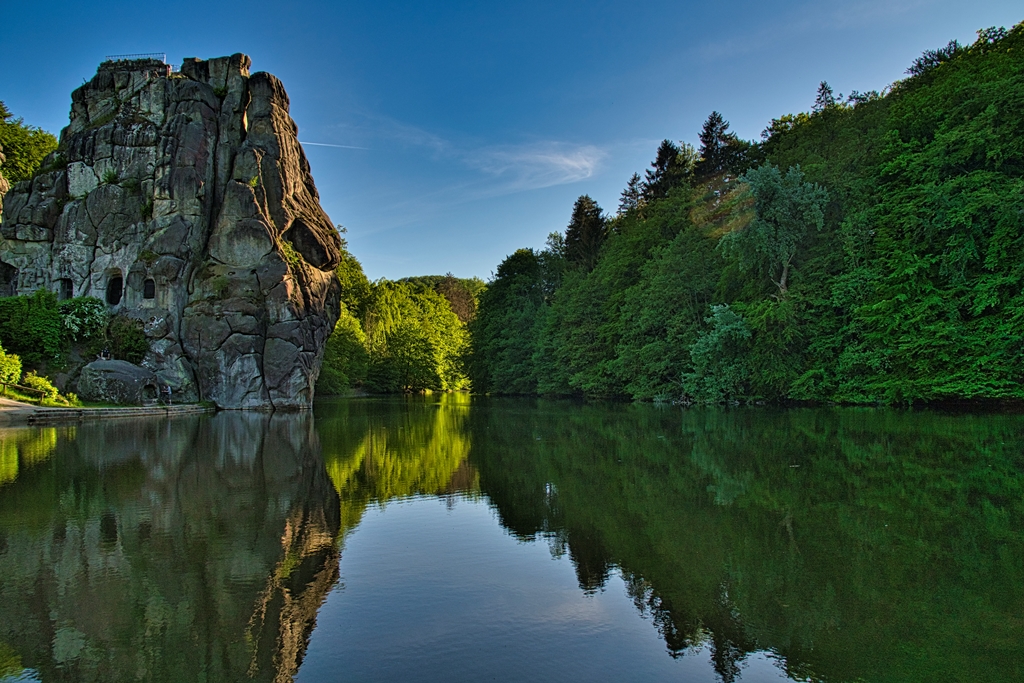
(117,381)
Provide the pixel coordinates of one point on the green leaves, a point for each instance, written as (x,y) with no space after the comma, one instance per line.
(786,208)
(24,146)
(903,282)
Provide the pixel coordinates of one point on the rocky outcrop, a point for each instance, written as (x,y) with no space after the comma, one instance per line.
(117,381)
(184,199)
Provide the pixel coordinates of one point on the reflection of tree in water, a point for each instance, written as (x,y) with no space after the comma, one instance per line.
(186,549)
(24,448)
(380,450)
(852,544)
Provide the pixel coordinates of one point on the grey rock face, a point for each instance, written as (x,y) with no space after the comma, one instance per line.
(117,381)
(185,200)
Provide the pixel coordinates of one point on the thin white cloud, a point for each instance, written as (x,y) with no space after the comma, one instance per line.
(473,170)
(537,165)
(506,168)
(328,144)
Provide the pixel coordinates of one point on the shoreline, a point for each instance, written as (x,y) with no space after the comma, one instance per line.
(15,413)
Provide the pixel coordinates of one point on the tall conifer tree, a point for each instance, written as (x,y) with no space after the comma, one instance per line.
(586,232)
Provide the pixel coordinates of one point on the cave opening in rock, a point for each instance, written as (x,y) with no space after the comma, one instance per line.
(65,288)
(115,288)
(149,289)
(8,279)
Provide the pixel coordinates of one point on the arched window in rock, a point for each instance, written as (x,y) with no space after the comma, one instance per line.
(65,289)
(149,289)
(115,288)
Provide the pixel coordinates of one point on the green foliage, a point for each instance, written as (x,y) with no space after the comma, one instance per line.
(24,147)
(10,367)
(462,293)
(345,357)
(50,396)
(83,318)
(126,339)
(720,151)
(31,327)
(587,231)
(721,367)
(786,207)
(504,332)
(34,381)
(396,336)
(672,167)
(414,340)
(900,283)
(290,255)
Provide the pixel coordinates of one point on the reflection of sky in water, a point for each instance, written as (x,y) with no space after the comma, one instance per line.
(848,545)
(431,592)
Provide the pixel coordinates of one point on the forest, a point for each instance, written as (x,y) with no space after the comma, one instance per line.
(407,335)
(868,251)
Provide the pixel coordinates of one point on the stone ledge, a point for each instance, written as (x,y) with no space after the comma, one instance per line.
(48,415)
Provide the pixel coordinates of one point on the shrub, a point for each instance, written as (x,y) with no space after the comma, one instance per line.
(40,383)
(51,397)
(126,339)
(10,367)
(30,326)
(83,318)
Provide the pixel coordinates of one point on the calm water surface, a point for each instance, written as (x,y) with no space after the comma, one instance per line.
(456,539)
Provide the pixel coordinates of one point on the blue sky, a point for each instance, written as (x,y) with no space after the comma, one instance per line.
(449,134)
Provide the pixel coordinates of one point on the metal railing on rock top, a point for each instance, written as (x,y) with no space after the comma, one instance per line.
(162,56)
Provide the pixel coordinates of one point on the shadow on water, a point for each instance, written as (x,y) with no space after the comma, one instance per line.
(171,550)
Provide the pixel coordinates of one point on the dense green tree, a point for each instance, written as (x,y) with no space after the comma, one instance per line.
(30,326)
(720,151)
(670,169)
(632,198)
(902,282)
(414,340)
(355,286)
(587,231)
(345,357)
(24,146)
(504,331)
(397,336)
(10,367)
(786,208)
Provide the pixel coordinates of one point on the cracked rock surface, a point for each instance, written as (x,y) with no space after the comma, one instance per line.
(185,200)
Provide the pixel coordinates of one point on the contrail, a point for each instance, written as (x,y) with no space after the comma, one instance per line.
(327,144)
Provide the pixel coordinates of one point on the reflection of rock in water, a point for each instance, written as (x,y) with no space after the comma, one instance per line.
(188,549)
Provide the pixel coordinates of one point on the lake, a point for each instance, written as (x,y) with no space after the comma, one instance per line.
(456,538)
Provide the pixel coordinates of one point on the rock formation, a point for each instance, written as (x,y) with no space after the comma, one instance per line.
(117,381)
(185,200)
